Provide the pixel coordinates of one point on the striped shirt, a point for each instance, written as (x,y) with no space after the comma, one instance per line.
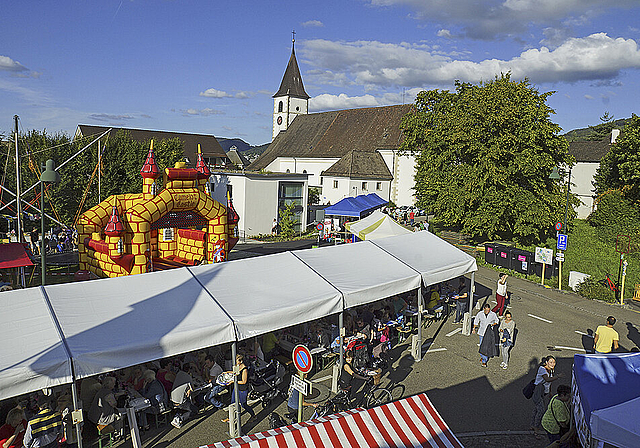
(43,429)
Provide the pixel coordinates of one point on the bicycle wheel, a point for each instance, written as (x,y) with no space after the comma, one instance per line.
(378,397)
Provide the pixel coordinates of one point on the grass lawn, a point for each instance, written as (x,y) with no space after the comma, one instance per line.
(588,254)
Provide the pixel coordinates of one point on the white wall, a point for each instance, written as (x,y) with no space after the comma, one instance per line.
(312,166)
(403,169)
(291,108)
(331,194)
(255,198)
(581,185)
(355,187)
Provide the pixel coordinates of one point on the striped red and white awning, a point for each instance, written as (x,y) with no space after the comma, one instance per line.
(410,422)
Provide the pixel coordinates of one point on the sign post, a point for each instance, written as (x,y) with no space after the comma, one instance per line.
(623,246)
(544,256)
(561,246)
(303,361)
(625,263)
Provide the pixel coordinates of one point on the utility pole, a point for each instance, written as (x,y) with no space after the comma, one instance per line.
(18,192)
(19,199)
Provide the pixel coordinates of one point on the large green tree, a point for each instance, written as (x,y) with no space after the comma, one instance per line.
(484,155)
(620,167)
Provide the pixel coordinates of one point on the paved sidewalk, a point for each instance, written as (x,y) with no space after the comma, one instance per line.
(515,439)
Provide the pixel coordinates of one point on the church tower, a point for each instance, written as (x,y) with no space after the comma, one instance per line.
(290,100)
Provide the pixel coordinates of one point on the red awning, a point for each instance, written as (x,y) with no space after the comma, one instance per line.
(410,422)
(13,255)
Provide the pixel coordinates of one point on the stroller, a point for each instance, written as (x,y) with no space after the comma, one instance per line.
(264,382)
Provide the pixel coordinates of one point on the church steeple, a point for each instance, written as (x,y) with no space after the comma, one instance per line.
(291,99)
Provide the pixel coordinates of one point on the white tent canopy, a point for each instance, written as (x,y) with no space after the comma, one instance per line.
(33,353)
(109,324)
(361,271)
(267,293)
(434,258)
(375,226)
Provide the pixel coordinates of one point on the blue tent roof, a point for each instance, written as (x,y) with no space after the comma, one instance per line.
(356,206)
(606,380)
(377,199)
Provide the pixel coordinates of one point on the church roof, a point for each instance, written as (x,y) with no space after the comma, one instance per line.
(590,151)
(360,165)
(292,80)
(334,134)
(210,146)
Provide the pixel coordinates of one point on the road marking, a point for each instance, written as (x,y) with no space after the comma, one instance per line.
(584,334)
(457,330)
(540,318)
(324,378)
(431,350)
(569,348)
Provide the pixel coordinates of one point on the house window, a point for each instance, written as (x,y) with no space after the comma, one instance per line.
(335,184)
(378,186)
(280,106)
(364,186)
(291,193)
(321,179)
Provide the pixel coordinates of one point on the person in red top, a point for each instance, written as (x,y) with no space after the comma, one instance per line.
(12,433)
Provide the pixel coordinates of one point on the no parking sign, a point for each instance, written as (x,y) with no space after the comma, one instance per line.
(302,359)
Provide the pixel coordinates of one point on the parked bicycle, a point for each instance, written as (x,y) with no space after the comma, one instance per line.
(371,396)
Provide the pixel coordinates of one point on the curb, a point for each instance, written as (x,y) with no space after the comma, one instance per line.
(494,433)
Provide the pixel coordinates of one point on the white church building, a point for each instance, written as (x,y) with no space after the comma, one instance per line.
(344,153)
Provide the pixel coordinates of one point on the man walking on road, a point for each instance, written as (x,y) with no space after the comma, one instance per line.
(484,320)
(606,336)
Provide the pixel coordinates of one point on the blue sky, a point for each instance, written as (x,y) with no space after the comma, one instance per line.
(212,67)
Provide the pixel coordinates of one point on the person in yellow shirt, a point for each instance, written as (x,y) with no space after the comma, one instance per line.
(606,337)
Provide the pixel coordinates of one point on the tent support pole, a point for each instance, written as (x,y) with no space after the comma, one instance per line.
(74,396)
(341,329)
(418,354)
(234,351)
(472,288)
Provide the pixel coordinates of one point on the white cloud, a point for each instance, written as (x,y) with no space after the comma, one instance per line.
(111,117)
(312,23)
(489,18)
(9,65)
(203,112)
(342,101)
(589,97)
(214,93)
(371,63)
(444,33)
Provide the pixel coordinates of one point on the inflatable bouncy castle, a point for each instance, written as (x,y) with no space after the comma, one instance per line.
(160,228)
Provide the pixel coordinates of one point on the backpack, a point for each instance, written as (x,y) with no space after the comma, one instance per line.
(360,355)
(527,391)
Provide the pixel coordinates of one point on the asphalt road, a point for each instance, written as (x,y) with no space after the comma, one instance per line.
(479,404)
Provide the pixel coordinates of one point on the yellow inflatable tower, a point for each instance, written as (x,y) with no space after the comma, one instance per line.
(179,225)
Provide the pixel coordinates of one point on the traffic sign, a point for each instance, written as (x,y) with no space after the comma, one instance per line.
(319,226)
(301,385)
(544,255)
(302,359)
(560,256)
(558,226)
(562,241)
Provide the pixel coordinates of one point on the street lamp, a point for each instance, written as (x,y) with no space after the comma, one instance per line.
(49,176)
